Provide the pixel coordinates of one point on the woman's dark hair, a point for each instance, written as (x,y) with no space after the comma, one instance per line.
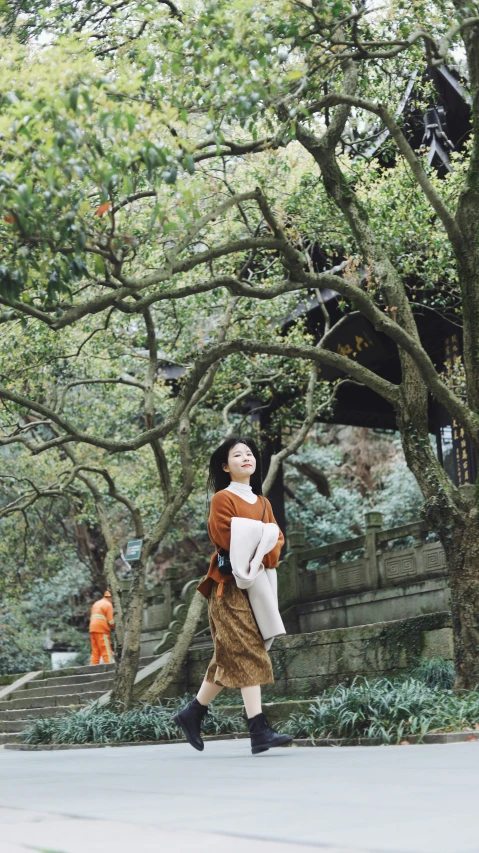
(219,479)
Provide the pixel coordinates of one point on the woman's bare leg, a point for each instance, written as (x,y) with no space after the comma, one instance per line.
(208,692)
(252,700)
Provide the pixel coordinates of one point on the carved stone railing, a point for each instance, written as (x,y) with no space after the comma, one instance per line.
(164,612)
(377,560)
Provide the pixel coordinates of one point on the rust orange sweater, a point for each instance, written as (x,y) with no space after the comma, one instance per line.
(225,505)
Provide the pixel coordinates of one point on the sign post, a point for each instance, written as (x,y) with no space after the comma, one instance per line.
(133,550)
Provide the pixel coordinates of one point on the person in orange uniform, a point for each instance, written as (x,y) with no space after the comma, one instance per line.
(101,623)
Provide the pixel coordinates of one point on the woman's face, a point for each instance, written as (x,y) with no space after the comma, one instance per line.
(241,463)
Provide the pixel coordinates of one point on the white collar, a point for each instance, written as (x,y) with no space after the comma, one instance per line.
(243,491)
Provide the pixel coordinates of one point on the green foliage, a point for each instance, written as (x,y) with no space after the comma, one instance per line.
(20,647)
(394,491)
(386,710)
(59,601)
(45,589)
(435,672)
(105,725)
(324,519)
(90,153)
(57,609)
(416,245)
(399,498)
(126,117)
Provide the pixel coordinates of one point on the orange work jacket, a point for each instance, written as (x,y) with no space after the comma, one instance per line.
(101,617)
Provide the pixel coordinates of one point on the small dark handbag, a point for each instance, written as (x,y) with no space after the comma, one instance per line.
(224,562)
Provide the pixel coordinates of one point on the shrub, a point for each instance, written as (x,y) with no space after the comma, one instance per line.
(386,710)
(20,647)
(106,725)
(435,672)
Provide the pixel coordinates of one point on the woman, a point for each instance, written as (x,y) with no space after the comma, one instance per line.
(240,659)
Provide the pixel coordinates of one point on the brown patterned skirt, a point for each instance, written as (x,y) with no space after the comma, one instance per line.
(240,658)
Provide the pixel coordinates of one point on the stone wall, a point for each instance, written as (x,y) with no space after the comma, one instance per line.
(366,608)
(305,664)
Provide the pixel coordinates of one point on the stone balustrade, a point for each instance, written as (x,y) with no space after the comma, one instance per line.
(164,612)
(384,574)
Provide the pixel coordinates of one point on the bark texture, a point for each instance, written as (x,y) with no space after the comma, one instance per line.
(462,553)
(179,651)
(467,218)
(127,665)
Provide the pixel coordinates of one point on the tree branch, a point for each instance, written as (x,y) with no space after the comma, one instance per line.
(149,405)
(409,155)
(370,49)
(200,223)
(311,413)
(233,402)
(120,381)
(238,149)
(404,339)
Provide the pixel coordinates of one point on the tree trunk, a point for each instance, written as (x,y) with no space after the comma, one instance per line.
(468,220)
(457,525)
(453,515)
(127,667)
(114,587)
(109,570)
(462,553)
(180,650)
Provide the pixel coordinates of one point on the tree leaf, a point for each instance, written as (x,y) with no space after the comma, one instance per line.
(189,163)
(73,99)
(99,265)
(103,208)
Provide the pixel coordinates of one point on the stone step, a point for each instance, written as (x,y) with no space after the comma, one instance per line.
(57,692)
(64,700)
(201,643)
(79,670)
(33,713)
(14,726)
(79,686)
(91,670)
(18,724)
(97,686)
(69,680)
(11,737)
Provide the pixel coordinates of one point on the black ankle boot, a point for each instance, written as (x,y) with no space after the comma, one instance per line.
(263,737)
(190,719)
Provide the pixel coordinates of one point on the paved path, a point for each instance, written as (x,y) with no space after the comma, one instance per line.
(171,799)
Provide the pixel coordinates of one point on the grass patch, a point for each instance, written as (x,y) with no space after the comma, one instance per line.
(106,725)
(385,709)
